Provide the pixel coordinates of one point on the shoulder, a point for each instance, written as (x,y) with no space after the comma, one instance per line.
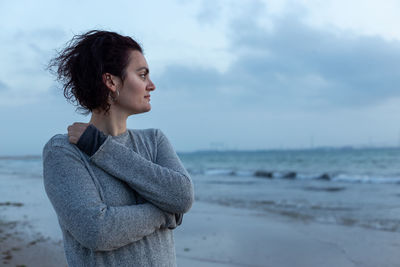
(153,139)
(58,142)
(150,134)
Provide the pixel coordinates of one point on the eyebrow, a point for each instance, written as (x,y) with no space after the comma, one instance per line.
(143,68)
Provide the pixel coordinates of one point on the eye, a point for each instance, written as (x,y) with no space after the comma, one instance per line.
(143,76)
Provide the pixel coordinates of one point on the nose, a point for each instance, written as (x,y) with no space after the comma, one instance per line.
(151,85)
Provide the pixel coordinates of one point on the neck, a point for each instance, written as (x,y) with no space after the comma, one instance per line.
(114,123)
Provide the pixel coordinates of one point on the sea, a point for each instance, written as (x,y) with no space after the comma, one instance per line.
(356,187)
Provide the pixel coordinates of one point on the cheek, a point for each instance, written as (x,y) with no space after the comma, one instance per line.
(134,90)
(130,84)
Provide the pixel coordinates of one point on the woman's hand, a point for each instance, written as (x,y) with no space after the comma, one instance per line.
(75,131)
(170,221)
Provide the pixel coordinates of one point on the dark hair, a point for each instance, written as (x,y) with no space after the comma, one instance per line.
(81,64)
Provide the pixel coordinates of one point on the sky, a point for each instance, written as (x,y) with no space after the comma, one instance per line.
(245,74)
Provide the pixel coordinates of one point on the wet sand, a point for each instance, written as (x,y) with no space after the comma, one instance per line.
(210,235)
(222,236)
(21,246)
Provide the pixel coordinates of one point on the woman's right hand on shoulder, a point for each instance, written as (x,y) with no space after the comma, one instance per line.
(75,131)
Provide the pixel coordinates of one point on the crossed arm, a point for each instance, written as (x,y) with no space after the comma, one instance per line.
(164,182)
(82,211)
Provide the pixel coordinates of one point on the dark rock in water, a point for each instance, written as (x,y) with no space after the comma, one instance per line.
(290,175)
(334,189)
(8,203)
(263,174)
(265,202)
(325,189)
(324,177)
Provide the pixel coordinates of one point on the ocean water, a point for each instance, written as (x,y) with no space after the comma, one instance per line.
(347,165)
(353,187)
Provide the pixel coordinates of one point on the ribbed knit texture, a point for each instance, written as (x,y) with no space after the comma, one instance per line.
(95,198)
(91,140)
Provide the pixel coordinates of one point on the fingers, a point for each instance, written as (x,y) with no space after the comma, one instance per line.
(178,218)
(78,125)
(73,139)
(171,221)
(75,131)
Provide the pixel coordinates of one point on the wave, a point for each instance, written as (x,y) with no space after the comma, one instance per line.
(294,175)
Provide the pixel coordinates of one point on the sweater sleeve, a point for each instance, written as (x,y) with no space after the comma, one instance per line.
(83,213)
(91,139)
(165,182)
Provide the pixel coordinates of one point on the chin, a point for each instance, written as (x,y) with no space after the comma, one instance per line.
(147,109)
(141,111)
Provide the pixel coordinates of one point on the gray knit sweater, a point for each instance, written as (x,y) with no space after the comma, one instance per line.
(96,198)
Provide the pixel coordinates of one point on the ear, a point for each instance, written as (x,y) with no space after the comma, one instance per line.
(110,81)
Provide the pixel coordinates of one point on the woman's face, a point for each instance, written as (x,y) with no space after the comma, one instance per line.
(134,92)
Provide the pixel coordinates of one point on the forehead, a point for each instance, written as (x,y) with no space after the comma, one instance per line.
(137,60)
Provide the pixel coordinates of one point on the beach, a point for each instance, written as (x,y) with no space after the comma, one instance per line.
(233,237)
(29,232)
(210,235)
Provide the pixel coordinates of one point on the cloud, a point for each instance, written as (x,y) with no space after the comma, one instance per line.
(3,86)
(47,34)
(337,67)
(209,12)
(295,65)
(24,64)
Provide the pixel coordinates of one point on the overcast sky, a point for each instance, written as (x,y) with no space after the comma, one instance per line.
(229,74)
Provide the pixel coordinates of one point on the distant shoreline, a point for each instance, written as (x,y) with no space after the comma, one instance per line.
(221,151)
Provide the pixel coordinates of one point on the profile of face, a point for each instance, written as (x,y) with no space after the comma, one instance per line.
(134,91)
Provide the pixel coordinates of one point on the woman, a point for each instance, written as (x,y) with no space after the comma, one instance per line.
(118,193)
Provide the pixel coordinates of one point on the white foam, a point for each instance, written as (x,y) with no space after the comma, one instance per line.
(365,179)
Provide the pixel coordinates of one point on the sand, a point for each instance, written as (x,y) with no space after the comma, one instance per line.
(222,236)
(210,235)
